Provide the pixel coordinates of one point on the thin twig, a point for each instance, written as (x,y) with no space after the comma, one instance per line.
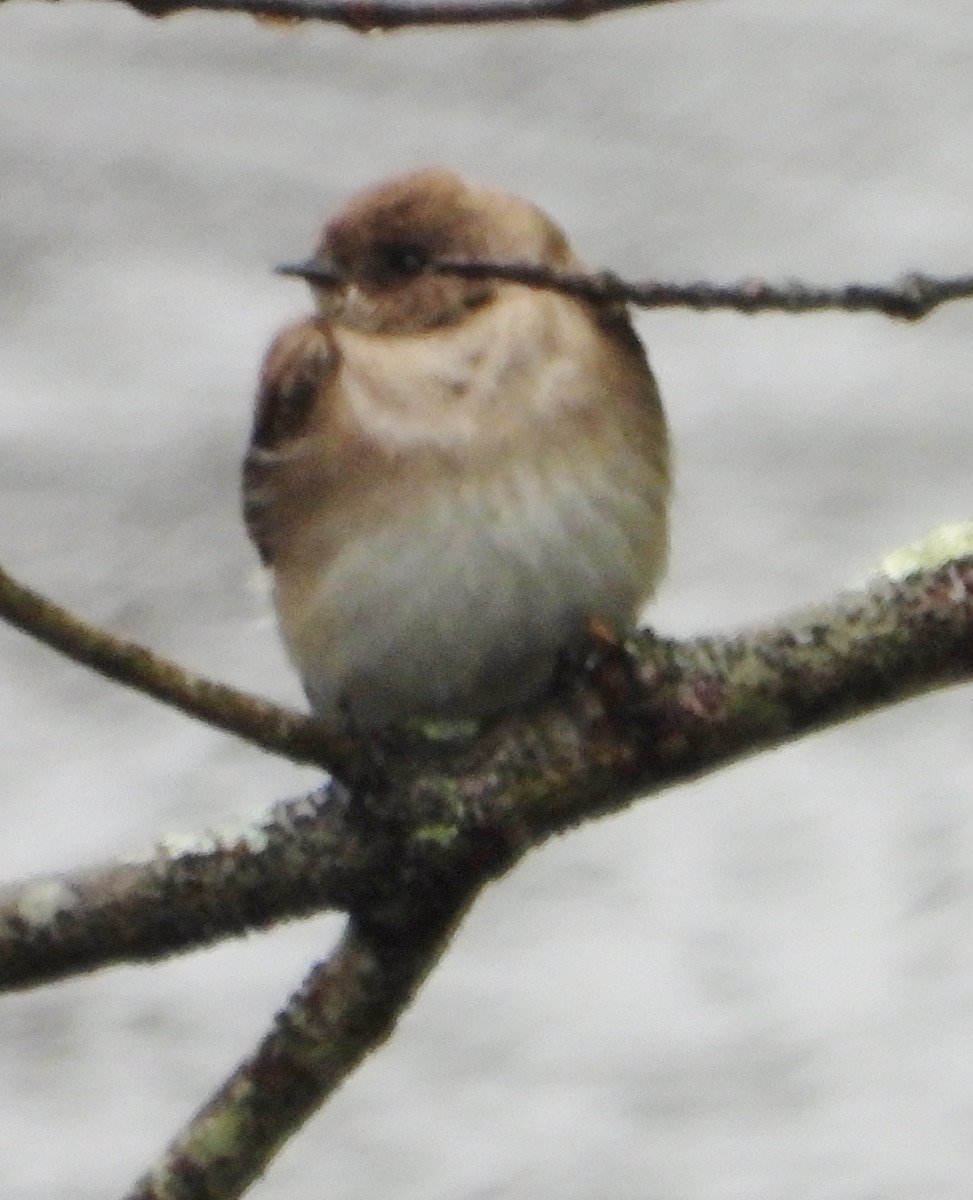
(914,296)
(272,727)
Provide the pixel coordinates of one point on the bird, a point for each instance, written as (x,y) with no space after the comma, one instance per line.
(450,478)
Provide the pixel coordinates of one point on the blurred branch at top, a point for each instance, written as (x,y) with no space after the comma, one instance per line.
(371,16)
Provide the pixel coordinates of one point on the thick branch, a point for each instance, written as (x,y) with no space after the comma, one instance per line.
(637,720)
(912,297)
(346,1008)
(647,718)
(305,856)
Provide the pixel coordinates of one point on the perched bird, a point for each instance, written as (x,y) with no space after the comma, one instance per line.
(449,478)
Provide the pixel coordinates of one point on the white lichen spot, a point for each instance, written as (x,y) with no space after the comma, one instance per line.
(942,546)
(42,902)
(180,845)
(246,833)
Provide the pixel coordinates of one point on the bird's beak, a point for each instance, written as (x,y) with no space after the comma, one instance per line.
(316,271)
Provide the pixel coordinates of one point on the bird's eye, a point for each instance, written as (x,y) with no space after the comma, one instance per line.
(402,258)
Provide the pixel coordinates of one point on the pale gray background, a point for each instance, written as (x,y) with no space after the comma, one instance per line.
(759,987)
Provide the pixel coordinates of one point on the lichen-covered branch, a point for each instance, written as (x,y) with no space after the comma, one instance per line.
(914,296)
(305,856)
(629,722)
(346,1007)
(639,719)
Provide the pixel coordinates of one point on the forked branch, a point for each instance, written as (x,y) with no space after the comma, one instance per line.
(631,721)
(640,720)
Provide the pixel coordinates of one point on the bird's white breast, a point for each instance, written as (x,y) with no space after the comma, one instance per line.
(507,516)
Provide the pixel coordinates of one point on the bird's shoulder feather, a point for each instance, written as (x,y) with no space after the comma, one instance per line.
(299,363)
(296,370)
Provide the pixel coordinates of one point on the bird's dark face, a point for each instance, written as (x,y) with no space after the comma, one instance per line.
(372,257)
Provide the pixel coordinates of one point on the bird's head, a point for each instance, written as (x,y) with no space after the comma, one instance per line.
(369,271)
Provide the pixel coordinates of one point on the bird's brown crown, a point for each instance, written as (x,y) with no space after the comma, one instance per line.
(379,246)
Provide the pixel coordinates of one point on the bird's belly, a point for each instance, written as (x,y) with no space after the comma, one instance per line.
(461,604)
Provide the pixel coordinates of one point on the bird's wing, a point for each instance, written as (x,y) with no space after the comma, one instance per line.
(293,383)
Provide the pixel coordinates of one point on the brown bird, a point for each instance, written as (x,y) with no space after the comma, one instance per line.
(449,478)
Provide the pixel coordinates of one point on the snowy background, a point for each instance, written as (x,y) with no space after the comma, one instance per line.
(759,987)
